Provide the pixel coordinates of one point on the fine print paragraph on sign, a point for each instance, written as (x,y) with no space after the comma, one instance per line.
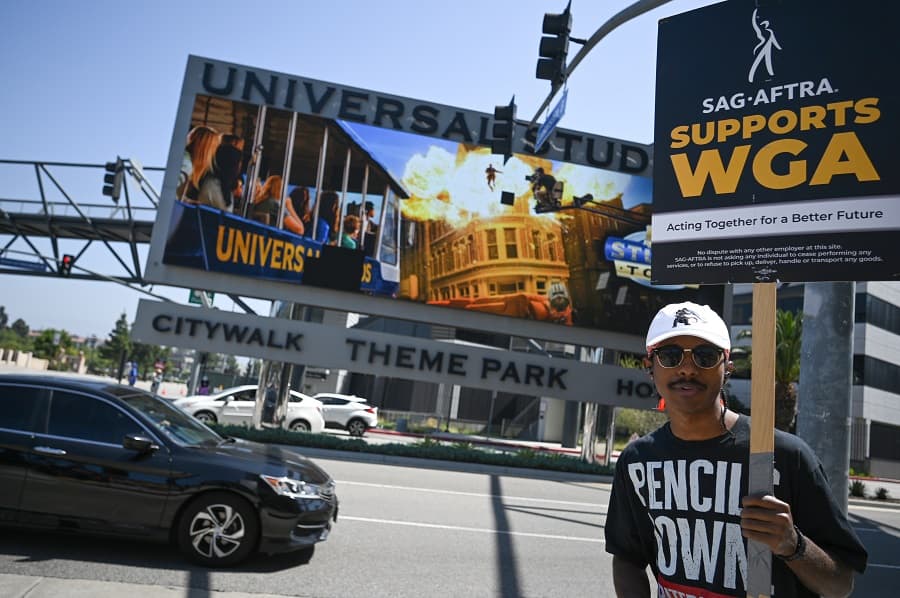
(831,253)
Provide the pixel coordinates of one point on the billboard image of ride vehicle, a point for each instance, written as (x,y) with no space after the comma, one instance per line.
(285,188)
(236,212)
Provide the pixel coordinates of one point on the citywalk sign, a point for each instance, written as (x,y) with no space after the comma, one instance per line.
(776,143)
(389,355)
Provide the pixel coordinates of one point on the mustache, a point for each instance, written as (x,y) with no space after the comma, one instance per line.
(686,382)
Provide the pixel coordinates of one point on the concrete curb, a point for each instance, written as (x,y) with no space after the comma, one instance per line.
(483,441)
(873,502)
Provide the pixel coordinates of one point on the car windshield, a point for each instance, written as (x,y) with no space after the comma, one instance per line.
(172,422)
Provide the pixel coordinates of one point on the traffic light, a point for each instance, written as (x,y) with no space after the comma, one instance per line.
(554,47)
(112,180)
(503,130)
(65,264)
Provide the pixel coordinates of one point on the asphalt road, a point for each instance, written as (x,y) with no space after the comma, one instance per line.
(409,531)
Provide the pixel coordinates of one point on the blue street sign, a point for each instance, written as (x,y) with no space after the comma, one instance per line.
(36,266)
(553,119)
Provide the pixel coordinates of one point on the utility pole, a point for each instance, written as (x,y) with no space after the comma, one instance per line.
(589,427)
(826,378)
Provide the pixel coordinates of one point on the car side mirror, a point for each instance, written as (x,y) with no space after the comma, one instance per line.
(141,444)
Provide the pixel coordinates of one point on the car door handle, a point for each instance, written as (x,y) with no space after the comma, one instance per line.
(46,450)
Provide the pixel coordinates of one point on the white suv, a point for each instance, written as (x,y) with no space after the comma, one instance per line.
(347,412)
(235,406)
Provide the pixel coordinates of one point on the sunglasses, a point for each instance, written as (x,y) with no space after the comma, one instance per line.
(704,356)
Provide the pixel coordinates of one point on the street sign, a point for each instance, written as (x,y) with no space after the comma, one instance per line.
(553,119)
(194,297)
(25,265)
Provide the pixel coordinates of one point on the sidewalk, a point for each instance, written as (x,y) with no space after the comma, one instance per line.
(23,586)
(872,485)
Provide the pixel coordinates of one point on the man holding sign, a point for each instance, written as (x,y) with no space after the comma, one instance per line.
(679,501)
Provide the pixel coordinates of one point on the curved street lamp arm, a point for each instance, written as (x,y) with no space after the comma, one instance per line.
(636,9)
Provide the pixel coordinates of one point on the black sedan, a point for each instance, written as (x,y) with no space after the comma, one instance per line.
(88,455)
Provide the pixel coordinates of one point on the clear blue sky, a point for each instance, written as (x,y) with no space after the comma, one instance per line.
(86,81)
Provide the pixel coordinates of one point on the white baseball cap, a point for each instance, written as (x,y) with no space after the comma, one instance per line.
(688,319)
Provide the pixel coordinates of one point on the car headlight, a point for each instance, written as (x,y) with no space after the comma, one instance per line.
(292,488)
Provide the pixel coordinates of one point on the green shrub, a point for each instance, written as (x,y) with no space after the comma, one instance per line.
(881,494)
(857,489)
(427,442)
(427,448)
(642,421)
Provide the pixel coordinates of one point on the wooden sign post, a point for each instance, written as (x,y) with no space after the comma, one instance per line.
(762,432)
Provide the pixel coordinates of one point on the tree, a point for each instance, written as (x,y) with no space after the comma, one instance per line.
(52,345)
(9,339)
(118,346)
(252,369)
(147,355)
(232,367)
(639,421)
(20,328)
(3,317)
(217,362)
(788,333)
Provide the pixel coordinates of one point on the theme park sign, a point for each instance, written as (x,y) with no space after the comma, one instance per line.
(382,354)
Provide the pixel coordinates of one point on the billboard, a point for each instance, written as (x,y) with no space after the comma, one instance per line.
(287,188)
(776,143)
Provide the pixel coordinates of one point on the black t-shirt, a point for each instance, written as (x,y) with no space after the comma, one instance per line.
(675,506)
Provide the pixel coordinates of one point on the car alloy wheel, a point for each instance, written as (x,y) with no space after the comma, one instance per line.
(357,427)
(300,426)
(218,529)
(206,417)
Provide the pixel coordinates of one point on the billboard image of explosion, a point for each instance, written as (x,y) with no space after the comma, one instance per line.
(462,248)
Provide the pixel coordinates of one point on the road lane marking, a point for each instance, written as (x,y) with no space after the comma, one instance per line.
(592,505)
(479,530)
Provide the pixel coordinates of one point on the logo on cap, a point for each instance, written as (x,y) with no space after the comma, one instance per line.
(686,317)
